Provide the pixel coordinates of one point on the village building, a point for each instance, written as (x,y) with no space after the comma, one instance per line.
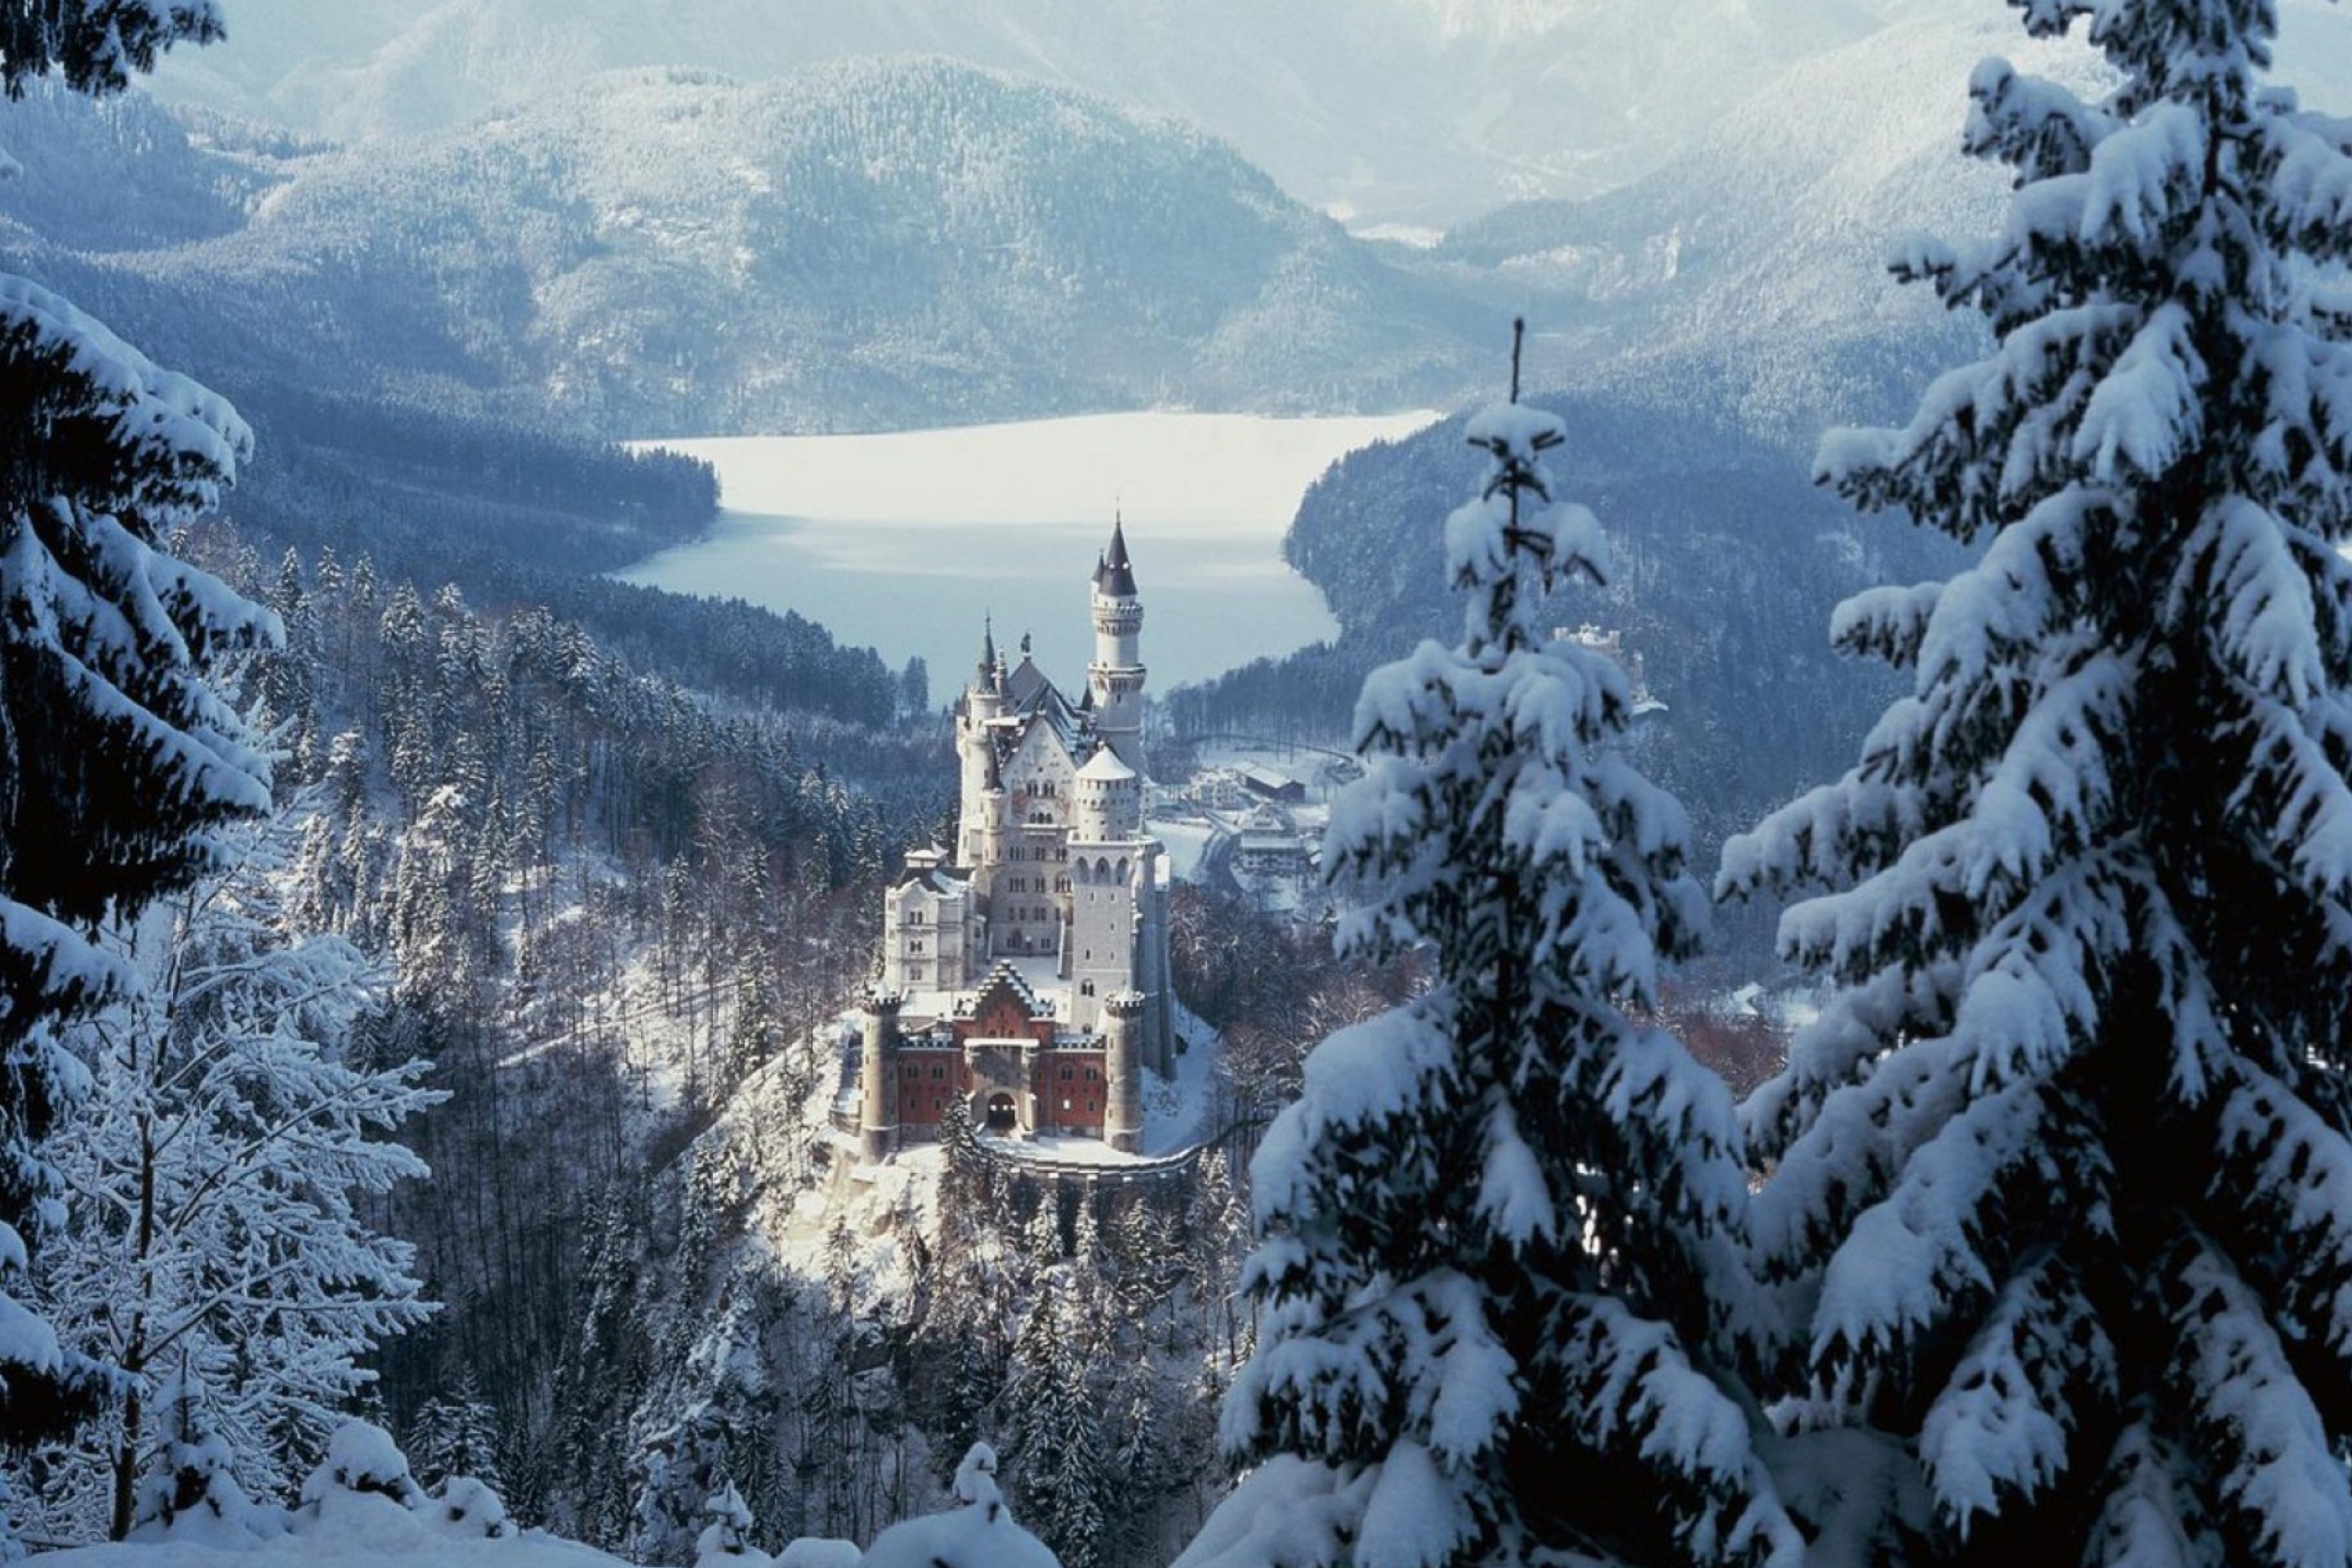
(1024,968)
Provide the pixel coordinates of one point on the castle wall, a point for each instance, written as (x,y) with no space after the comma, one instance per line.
(1072,1092)
(929,1078)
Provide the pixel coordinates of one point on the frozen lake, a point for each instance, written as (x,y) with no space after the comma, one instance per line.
(904,541)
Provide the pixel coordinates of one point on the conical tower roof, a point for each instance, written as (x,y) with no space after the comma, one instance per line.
(1114,574)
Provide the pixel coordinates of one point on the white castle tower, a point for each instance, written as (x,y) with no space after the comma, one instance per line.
(1115,679)
(1031,956)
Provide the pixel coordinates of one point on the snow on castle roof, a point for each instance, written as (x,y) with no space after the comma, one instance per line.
(1104,765)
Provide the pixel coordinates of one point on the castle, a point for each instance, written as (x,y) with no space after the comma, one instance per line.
(1025,971)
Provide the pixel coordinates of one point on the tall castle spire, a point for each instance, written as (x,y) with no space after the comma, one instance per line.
(1115,679)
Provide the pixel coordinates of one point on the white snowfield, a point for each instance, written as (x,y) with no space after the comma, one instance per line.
(375,1532)
(378,1532)
(361,1506)
(903,542)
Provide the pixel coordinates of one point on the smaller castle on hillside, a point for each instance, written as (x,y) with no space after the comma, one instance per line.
(1024,969)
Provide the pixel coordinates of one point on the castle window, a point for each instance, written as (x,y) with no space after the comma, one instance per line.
(1068,1073)
(939,1072)
(1086,987)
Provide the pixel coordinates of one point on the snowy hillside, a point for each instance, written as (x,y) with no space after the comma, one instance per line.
(1751,266)
(872,243)
(1422,110)
(114,175)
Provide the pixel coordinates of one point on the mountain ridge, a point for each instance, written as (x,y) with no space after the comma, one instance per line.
(882,242)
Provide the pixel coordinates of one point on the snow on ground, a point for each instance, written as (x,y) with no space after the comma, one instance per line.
(380,1536)
(355,1531)
(1188,842)
(903,542)
(1061,1149)
(1175,1110)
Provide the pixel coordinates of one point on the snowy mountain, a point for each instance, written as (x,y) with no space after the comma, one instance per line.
(1420,110)
(117,174)
(1750,267)
(873,242)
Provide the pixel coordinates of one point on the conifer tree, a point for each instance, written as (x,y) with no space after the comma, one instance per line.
(115,759)
(2062,1173)
(1502,1225)
(189,1484)
(728,1536)
(219,1176)
(1059,1457)
(457,1433)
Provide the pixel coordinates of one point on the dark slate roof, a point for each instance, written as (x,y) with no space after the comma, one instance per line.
(1027,685)
(1114,574)
(1032,699)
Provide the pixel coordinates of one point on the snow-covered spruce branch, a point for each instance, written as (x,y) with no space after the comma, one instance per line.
(2051,1172)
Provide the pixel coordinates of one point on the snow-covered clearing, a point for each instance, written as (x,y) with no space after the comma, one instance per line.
(1188,844)
(358,1550)
(1176,1109)
(903,540)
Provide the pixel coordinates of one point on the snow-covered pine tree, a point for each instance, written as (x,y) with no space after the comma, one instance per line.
(678,1472)
(215,1178)
(457,1433)
(187,1484)
(114,758)
(1062,1474)
(728,1537)
(978,1533)
(1503,1224)
(2063,1173)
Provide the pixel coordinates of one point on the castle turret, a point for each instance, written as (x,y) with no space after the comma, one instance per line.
(983,700)
(1122,1024)
(1110,806)
(877,1076)
(1115,679)
(995,809)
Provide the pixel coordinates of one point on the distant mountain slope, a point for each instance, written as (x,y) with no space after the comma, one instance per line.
(1750,269)
(116,174)
(870,243)
(1406,110)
